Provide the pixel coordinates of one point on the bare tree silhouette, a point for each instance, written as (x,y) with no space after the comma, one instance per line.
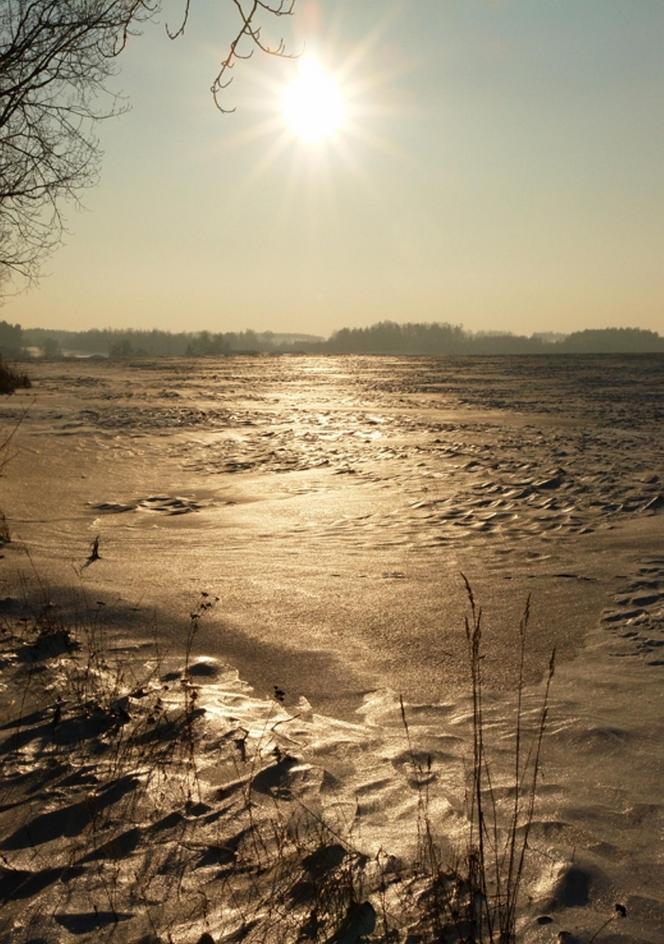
(56,57)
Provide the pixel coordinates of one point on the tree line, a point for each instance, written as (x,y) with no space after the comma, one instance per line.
(388,337)
(119,343)
(384,337)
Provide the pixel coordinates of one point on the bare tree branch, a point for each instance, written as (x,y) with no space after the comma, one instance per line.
(251,32)
(56,57)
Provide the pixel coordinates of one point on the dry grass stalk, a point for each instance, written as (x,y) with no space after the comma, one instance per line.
(497,851)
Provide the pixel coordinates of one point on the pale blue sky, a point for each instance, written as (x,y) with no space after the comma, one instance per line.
(504,169)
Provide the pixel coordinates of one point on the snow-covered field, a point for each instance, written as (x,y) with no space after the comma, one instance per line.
(331,504)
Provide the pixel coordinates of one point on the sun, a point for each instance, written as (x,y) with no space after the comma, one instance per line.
(313,105)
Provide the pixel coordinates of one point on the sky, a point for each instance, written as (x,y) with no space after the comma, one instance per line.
(500,164)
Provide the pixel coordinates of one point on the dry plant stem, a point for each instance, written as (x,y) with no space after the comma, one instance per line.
(619,912)
(495,867)
(477,861)
(532,787)
(523,627)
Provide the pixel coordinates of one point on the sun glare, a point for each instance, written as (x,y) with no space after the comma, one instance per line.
(313,105)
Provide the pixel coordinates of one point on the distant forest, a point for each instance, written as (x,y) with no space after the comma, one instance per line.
(112,342)
(385,337)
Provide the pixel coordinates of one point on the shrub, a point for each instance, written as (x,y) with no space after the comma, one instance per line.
(11,379)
